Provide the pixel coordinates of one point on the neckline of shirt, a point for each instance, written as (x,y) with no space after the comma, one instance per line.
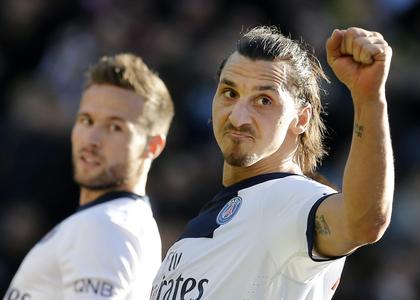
(112,196)
(245,183)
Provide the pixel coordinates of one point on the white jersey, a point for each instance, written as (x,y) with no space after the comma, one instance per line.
(253,241)
(109,249)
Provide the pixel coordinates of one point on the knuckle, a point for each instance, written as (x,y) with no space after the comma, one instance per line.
(354,29)
(358,32)
(377,34)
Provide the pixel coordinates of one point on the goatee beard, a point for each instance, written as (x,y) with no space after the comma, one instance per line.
(240,161)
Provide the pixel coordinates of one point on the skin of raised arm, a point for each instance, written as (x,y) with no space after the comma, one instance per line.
(361,213)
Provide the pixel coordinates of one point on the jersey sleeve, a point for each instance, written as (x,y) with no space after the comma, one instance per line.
(98,259)
(286,217)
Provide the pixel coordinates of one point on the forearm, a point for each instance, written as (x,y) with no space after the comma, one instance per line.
(368,182)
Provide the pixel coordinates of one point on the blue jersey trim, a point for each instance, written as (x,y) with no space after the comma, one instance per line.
(253,181)
(112,196)
(204,225)
(310,231)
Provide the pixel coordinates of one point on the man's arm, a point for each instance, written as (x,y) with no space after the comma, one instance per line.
(99,260)
(360,215)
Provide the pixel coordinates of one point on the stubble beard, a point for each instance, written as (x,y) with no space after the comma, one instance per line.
(234,155)
(236,158)
(110,178)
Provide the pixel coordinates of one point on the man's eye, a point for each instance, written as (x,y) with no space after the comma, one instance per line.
(114,128)
(85,120)
(229,93)
(264,101)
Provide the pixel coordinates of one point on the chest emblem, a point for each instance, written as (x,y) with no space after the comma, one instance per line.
(229,210)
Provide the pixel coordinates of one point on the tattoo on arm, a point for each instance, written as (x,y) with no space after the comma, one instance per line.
(321,226)
(358,129)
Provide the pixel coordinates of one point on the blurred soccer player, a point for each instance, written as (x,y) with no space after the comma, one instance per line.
(271,232)
(110,248)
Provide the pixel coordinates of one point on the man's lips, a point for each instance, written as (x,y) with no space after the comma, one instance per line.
(238,134)
(89,159)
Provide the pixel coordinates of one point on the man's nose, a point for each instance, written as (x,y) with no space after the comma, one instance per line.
(240,114)
(95,136)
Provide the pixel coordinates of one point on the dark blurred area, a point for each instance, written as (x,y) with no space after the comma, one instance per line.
(46,46)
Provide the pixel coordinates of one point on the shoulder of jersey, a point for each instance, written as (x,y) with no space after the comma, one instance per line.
(291,185)
(120,211)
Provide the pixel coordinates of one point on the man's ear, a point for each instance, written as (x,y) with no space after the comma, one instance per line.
(154,146)
(302,120)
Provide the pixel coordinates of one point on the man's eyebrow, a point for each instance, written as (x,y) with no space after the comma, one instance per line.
(82,114)
(116,118)
(257,88)
(266,88)
(228,82)
(111,118)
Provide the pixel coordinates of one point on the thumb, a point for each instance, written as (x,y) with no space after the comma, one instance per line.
(333,46)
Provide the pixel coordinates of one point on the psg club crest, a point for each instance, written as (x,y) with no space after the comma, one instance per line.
(229,210)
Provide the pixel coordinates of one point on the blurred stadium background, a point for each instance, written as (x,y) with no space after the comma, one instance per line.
(45,47)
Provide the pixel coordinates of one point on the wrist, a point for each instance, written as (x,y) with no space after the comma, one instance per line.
(369,99)
(371,109)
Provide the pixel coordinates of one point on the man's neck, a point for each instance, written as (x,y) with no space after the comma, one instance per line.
(88,195)
(232,175)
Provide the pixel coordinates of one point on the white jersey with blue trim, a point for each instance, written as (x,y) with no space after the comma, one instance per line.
(109,249)
(253,241)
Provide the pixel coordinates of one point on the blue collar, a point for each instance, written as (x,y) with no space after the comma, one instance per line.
(112,196)
(234,188)
(231,191)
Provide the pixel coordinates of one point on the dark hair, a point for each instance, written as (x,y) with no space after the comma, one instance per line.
(304,75)
(130,72)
